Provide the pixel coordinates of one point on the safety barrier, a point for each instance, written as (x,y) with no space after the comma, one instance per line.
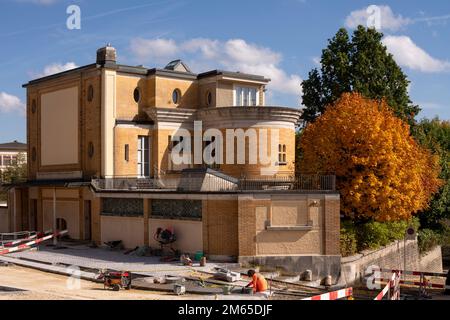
(426,283)
(415,273)
(13,243)
(423,283)
(392,288)
(31,243)
(335,295)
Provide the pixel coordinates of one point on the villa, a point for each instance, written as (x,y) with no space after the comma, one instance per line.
(116,152)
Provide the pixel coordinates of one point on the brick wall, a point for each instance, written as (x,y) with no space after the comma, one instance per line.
(220,227)
(331,225)
(247,224)
(291,216)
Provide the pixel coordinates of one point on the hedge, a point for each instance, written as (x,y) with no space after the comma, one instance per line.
(356,237)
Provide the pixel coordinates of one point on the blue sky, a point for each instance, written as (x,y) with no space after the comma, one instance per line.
(279,39)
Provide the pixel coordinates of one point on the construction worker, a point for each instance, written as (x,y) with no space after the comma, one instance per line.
(258,283)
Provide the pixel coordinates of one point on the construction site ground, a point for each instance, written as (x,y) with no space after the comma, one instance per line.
(43,274)
(60,261)
(18,283)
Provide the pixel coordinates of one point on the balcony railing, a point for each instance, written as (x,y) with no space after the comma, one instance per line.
(213,183)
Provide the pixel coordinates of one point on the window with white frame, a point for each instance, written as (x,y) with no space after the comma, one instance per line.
(282,155)
(245,96)
(143,157)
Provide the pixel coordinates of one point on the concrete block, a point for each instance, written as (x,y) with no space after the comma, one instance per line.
(307,275)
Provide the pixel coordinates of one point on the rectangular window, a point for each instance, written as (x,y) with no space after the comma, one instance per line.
(176,209)
(122,207)
(282,155)
(127,152)
(246,96)
(253,93)
(143,157)
(245,93)
(238,93)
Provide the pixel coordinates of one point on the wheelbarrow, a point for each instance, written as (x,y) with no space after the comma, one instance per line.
(115,280)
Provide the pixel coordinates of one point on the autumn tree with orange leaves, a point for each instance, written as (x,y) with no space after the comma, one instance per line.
(381,172)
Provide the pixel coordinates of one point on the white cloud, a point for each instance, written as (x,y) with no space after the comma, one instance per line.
(156,50)
(10,103)
(54,68)
(383,15)
(408,54)
(232,55)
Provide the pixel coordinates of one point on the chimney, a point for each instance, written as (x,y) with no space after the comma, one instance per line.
(106,55)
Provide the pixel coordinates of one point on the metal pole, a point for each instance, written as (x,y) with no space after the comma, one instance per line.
(55,241)
(15,212)
(404,257)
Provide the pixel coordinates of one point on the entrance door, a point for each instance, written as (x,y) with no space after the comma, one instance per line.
(143,156)
(87,220)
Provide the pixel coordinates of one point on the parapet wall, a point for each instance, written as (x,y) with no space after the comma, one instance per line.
(390,257)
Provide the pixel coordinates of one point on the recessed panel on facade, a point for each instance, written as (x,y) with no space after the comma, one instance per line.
(59,127)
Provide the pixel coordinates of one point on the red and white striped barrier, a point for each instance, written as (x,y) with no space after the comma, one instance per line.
(415,273)
(335,295)
(383,292)
(418,283)
(31,243)
(12,243)
(393,283)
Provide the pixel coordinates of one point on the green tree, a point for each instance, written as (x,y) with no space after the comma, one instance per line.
(15,173)
(435,135)
(361,64)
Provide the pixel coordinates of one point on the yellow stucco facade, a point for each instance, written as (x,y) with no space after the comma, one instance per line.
(91,130)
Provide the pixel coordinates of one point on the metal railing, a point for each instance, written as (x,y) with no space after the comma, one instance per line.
(298,182)
(216,184)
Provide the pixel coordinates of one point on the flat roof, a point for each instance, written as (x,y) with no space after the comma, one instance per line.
(143,71)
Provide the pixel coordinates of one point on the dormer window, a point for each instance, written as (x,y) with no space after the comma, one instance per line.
(245,96)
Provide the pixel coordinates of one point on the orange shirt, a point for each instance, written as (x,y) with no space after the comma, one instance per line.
(259,283)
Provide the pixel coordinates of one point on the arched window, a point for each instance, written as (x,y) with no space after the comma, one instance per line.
(61,224)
